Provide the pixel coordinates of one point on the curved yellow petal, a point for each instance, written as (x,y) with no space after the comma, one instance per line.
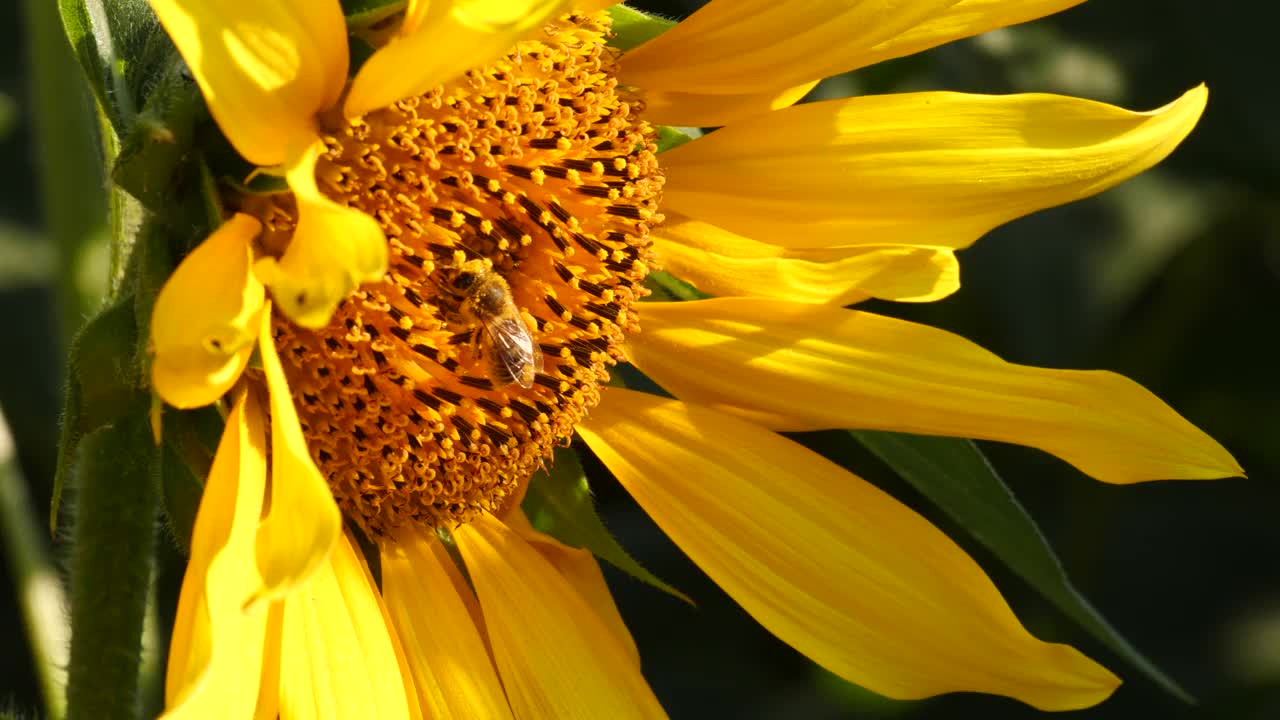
(265,67)
(447,38)
(936,169)
(672,107)
(302,522)
(719,262)
(745,46)
(581,570)
(793,366)
(446,653)
(269,689)
(334,248)
(827,562)
(215,656)
(906,28)
(337,655)
(963,19)
(556,657)
(206,318)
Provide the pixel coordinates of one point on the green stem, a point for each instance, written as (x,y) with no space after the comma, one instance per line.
(39,589)
(70,164)
(113,554)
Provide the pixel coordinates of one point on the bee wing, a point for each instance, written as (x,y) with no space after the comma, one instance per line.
(516,352)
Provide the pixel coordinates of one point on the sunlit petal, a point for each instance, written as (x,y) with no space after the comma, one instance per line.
(451,667)
(206,318)
(581,569)
(556,657)
(963,19)
(827,562)
(721,263)
(302,522)
(793,366)
(746,46)
(931,169)
(338,659)
(265,67)
(447,38)
(215,657)
(334,248)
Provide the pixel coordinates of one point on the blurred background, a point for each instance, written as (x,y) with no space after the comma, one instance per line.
(1172,279)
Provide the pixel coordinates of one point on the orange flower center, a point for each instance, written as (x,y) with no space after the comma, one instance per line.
(517,201)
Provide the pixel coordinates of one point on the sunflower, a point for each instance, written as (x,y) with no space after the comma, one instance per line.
(438,296)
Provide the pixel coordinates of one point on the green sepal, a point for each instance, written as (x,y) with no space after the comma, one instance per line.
(559,504)
(359,51)
(632,28)
(668,287)
(956,477)
(159,142)
(256,183)
(363,13)
(190,442)
(103,385)
(671,137)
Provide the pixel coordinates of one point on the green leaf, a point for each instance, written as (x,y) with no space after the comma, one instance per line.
(632,28)
(88,25)
(559,504)
(954,474)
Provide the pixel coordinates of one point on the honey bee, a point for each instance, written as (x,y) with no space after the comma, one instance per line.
(485,299)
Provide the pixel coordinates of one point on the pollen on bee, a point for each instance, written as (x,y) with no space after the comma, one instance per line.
(416,412)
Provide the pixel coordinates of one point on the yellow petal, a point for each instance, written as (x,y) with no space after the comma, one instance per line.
(448,38)
(913,27)
(556,657)
(337,656)
(269,689)
(719,262)
(302,522)
(963,19)
(334,248)
(827,562)
(265,67)
(672,107)
(934,169)
(206,318)
(446,653)
(215,657)
(730,58)
(581,570)
(793,366)
(743,46)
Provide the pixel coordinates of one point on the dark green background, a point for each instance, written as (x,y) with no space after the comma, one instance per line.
(1171,280)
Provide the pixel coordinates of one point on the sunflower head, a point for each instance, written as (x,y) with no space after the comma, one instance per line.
(517,202)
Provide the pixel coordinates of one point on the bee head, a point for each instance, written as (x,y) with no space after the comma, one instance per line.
(463,280)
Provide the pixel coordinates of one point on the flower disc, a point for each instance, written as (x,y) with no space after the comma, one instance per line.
(540,170)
